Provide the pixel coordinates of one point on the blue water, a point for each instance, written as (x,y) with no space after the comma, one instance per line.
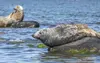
(14,42)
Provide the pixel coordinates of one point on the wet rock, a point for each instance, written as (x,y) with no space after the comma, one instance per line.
(31,24)
(69,36)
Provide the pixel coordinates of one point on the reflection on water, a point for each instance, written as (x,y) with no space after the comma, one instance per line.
(14,42)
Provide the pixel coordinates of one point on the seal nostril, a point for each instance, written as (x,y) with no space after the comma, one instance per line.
(36,36)
(33,35)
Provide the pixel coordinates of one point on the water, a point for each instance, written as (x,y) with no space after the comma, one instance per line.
(14,42)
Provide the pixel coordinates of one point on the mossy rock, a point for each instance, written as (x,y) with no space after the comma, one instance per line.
(2,39)
(82,51)
(41,45)
(15,42)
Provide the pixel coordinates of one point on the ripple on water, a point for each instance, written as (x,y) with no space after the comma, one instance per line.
(14,42)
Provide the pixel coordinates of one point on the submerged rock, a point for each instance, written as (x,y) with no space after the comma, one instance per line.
(2,33)
(24,24)
(69,36)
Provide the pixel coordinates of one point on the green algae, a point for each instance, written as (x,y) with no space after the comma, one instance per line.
(82,51)
(73,51)
(41,45)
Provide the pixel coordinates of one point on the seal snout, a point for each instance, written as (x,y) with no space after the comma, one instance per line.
(37,36)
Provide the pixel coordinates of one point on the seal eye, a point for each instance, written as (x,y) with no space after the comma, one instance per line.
(40,33)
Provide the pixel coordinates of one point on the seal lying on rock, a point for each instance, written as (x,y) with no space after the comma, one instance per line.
(25,24)
(15,16)
(18,14)
(69,36)
(5,22)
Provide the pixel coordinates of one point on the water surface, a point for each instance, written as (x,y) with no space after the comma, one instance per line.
(14,43)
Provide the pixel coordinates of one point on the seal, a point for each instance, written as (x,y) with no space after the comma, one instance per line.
(6,22)
(66,36)
(16,16)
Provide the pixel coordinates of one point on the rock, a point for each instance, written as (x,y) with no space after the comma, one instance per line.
(69,36)
(31,24)
(85,43)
